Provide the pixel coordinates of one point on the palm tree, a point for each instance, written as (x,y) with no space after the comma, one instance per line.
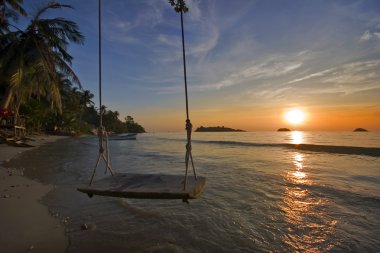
(179,5)
(35,60)
(86,98)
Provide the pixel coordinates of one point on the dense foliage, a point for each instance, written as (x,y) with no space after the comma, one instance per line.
(36,78)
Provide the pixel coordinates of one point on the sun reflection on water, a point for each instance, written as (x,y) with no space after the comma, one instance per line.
(308,227)
(297,137)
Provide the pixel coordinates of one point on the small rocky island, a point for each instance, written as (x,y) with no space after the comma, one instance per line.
(360,130)
(217,129)
(283,130)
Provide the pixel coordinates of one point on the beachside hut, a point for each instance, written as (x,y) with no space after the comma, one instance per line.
(12,125)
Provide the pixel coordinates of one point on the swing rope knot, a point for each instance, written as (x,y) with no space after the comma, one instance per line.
(189,156)
(189,128)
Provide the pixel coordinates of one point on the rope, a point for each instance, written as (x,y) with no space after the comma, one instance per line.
(184,66)
(102,133)
(100,62)
(188,126)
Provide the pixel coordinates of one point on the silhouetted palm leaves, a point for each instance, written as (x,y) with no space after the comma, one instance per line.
(35,60)
(9,9)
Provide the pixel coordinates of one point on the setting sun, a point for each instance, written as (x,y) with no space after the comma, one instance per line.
(295,116)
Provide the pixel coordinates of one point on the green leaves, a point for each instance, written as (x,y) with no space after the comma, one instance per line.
(179,5)
(35,60)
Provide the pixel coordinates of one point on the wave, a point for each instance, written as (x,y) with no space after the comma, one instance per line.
(348,150)
(345,195)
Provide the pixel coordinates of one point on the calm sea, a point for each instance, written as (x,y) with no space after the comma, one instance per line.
(265,192)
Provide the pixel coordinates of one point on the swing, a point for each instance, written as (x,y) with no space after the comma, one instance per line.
(144,186)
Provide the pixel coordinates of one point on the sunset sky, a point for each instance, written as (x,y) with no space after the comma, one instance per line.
(248,62)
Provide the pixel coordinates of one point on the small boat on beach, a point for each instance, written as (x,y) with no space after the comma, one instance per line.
(121,137)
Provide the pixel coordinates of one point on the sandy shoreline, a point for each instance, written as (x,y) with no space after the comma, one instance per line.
(25,223)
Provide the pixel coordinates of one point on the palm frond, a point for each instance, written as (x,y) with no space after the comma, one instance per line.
(62,28)
(179,5)
(66,70)
(16,6)
(51,5)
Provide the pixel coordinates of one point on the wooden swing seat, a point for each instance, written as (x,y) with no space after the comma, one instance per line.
(146,186)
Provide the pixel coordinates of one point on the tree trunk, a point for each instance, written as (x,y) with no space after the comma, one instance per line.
(5,102)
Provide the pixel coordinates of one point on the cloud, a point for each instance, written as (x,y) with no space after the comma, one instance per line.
(372,31)
(208,41)
(200,39)
(271,68)
(195,13)
(273,93)
(346,71)
(117,28)
(152,14)
(318,74)
(257,71)
(348,78)
(168,40)
(355,73)
(367,35)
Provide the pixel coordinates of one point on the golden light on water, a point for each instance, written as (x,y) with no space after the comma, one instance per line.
(300,175)
(298,158)
(296,137)
(304,211)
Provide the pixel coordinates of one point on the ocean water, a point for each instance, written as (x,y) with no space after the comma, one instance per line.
(265,192)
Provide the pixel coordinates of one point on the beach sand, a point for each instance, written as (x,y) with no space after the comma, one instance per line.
(25,223)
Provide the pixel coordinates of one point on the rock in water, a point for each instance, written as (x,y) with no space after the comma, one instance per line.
(360,130)
(283,130)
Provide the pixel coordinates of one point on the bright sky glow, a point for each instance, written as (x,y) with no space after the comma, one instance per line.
(246,59)
(295,116)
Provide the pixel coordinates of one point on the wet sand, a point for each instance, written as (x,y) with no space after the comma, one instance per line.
(26,224)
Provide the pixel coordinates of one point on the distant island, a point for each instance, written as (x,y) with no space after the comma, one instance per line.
(360,130)
(217,129)
(283,130)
